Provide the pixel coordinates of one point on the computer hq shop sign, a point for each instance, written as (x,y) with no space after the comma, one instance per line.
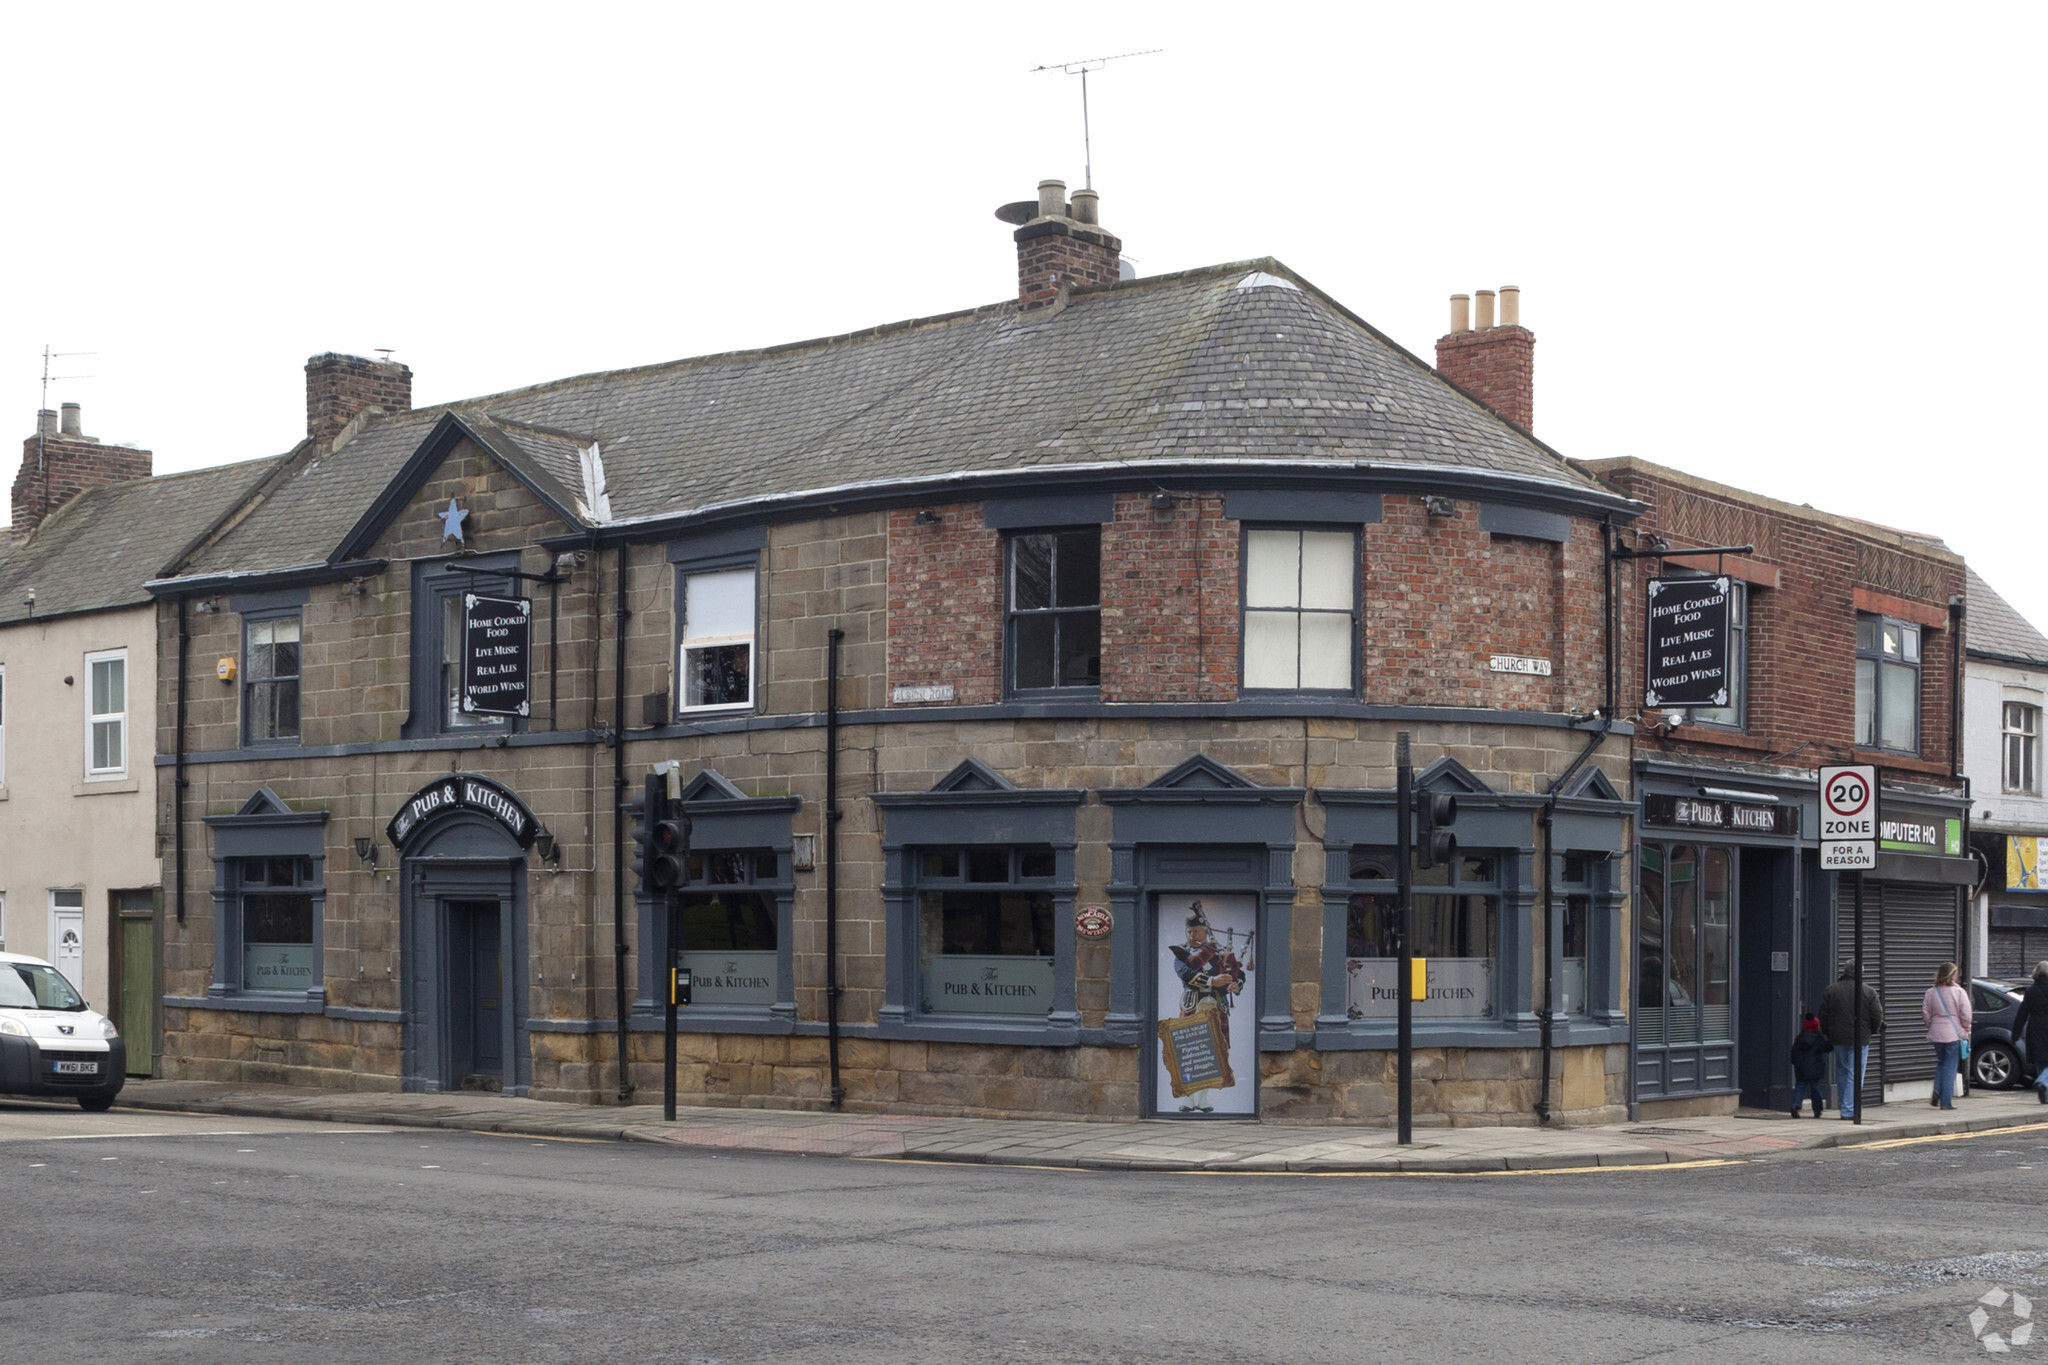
(1688,642)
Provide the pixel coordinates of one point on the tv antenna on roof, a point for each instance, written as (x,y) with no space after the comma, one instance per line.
(48,356)
(1081,68)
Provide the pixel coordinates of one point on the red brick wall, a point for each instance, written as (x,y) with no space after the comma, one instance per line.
(340,387)
(69,468)
(1058,253)
(946,604)
(1496,366)
(1802,632)
(1170,601)
(1443,596)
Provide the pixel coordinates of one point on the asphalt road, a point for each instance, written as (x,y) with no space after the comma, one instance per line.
(267,1240)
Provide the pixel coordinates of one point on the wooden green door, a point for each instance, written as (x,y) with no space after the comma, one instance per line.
(135,1011)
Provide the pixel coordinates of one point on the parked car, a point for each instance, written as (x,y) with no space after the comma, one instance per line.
(51,1043)
(1997,1060)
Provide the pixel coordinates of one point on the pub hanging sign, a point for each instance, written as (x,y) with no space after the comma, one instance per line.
(1687,633)
(497,637)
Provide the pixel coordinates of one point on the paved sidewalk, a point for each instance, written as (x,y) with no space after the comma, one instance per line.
(1162,1145)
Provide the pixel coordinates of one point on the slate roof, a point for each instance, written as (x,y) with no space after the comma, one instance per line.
(1995,628)
(97,551)
(1227,364)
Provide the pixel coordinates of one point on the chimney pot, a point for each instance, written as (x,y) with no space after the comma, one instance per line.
(46,422)
(1484,322)
(69,424)
(1084,206)
(1510,305)
(1052,199)
(1461,312)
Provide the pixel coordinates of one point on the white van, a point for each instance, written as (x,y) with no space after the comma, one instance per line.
(50,1043)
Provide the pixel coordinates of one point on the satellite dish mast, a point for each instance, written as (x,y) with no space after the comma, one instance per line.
(1082,68)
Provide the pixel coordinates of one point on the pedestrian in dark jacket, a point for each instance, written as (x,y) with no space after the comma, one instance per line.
(1838,1020)
(2030,1026)
(1810,1066)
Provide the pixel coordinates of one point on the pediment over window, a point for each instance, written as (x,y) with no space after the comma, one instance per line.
(264,801)
(1202,773)
(974,776)
(1592,784)
(711,785)
(1449,775)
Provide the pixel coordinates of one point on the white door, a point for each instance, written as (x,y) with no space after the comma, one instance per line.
(1206,1058)
(67,936)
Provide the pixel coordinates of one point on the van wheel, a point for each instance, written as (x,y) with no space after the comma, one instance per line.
(95,1104)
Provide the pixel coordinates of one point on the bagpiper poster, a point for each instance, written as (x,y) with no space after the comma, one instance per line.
(1206,1062)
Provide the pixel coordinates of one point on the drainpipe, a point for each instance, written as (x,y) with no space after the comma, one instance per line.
(1957,609)
(1548,1015)
(619,826)
(832,639)
(178,771)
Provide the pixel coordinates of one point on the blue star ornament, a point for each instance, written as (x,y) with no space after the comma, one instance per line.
(451,521)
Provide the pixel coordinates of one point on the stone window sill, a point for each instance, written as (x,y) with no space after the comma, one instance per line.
(107,786)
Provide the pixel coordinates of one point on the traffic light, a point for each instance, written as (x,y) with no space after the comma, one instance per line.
(661,840)
(1435,845)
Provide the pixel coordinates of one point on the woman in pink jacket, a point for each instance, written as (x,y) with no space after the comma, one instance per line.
(1946,1008)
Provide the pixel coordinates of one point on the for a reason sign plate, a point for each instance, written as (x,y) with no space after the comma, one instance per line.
(1688,642)
(497,637)
(1848,818)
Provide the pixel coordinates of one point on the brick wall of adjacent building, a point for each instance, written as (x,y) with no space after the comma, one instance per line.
(56,469)
(1809,576)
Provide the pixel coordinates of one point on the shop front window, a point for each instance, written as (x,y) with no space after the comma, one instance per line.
(277,925)
(985,930)
(1684,946)
(1456,927)
(728,927)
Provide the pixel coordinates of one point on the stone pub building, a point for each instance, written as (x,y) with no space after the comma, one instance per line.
(1094,612)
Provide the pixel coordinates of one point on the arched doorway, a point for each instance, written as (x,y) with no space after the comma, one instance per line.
(463,928)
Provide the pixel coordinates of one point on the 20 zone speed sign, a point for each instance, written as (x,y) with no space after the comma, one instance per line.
(1848,818)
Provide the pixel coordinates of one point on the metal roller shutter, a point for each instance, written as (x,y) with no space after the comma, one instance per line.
(2015,951)
(1919,928)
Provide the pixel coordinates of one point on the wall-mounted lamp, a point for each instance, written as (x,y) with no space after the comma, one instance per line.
(925,517)
(366,851)
(1163,501)
(1655,545)
(550,852)
(1439,506)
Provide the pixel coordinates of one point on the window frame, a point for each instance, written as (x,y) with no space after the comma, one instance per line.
(1455,887)
(1879,662)
(680,641)
(434,582)
(252,619)
(1012,614)
(93,718)
(265,828)
(2028,736)
(923,881)
(1738,663)
(1357,609)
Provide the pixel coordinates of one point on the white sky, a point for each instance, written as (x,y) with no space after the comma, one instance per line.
(1779,246)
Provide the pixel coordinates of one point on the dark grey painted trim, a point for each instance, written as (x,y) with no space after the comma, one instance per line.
(1508,519)
(298,574)
(1048,509)
(276,599)
(1338,476)
(1332,506)
(247,1004)
(426,457)
(1265,708)
(734,540)
(365,1016)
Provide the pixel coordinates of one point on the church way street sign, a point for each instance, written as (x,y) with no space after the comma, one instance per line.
(497,636)
(1688,642)
(1848,818)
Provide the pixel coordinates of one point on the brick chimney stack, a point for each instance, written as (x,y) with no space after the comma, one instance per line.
(341,388)
(1060,245)
(60,461)
(1494,363)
